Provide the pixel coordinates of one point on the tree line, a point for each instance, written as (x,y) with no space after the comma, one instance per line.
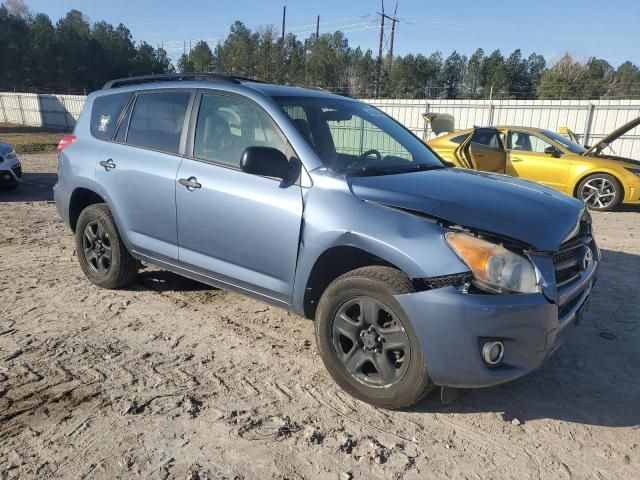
(75,54)
(72,55)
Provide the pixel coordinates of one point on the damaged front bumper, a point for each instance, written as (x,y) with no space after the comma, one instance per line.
(453,326)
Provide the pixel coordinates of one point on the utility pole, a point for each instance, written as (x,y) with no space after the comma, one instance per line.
(284,17)
(379,73)
(394,20)
(318,26)
(393,31)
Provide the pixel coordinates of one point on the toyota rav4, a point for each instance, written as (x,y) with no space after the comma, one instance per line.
(417,274)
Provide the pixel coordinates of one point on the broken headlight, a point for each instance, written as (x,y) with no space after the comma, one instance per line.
(495,269)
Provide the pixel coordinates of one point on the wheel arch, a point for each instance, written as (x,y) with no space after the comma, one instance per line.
(80,199)
(600,171)
(331,264)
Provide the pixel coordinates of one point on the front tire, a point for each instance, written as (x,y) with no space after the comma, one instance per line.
(367,342)
(600,192)
(103,257)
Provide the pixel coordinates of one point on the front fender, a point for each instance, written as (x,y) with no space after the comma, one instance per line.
(334,218)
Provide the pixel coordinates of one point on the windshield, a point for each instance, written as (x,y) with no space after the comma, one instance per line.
(562,140)
(354,138)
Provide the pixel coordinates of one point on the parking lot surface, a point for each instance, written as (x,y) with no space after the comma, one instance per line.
(174,379)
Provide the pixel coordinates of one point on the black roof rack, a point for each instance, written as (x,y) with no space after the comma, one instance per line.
(170,77)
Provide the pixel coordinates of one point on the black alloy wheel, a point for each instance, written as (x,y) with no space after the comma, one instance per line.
(102,254)
(97,247)
(370,342)
(366,340)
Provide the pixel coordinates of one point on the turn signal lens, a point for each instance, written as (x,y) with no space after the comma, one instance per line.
(495,268)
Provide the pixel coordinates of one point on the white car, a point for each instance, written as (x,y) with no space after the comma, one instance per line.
(10,167)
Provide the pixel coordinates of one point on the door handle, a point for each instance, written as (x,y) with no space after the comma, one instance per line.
(107,164)
(516,159)
(190,183)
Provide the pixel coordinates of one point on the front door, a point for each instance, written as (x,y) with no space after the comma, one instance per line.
(239,228)
(533,158)
(137,172)
(484,151)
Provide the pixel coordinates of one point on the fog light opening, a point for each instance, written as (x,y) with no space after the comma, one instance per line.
(7,176)
(492,353)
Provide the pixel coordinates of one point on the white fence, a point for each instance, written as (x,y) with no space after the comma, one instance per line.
(41,110)
(589,119)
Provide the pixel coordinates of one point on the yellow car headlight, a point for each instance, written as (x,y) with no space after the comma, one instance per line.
(495,268)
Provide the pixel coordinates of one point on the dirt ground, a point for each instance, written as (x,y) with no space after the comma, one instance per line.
(29,139)
(174,379)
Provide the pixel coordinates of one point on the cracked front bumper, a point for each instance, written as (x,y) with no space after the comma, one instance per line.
(453,326)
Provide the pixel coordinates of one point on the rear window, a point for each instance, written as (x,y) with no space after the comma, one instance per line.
(157,120)
(105,113)
(459,139)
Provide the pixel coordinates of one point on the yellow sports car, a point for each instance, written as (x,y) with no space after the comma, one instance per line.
(601,181)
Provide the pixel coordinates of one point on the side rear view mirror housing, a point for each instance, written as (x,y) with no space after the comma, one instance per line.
(266,162)
(553,151)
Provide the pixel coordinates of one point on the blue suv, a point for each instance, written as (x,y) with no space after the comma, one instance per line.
(417,274)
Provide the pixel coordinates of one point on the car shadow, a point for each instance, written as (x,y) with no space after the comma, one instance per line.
(165,281)
(592,378)
(35,187)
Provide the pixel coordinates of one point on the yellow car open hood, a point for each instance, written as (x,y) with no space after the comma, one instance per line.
(606,141)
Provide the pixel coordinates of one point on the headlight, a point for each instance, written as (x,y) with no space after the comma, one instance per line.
(633,170)
(11,154)
(495,268)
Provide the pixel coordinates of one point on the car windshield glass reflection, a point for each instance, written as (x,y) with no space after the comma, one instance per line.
(571,146)
(354,138)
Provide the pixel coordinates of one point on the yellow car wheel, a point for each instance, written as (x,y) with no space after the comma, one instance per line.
(600,192)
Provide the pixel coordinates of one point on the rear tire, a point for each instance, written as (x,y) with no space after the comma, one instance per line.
(103,256)
(383,365)
(600,192)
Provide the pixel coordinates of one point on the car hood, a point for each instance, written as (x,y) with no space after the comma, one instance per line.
(613,136)
(5,148)
(512,208)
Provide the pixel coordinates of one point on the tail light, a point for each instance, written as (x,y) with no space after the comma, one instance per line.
(65,142)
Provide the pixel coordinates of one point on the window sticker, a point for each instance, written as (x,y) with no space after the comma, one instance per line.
(104,123)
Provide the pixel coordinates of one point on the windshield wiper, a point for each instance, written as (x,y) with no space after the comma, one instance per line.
(379,170)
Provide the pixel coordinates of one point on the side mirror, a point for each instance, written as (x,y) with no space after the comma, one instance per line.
(553,151)
(266,162)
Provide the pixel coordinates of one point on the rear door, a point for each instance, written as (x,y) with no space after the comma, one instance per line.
(137,171)
(526,158)
(238,228)
(484,151)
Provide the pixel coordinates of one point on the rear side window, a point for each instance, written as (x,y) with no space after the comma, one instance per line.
(157,120)
(487,137)
(105,113)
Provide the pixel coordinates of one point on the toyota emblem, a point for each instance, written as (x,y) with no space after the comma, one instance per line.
(587,259)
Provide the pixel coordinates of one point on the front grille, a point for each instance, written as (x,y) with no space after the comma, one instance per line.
(568,261)
(17,169)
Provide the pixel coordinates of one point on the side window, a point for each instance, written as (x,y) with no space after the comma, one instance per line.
(487,137)
(157,120)
(226,126)
(527,142)
(105,113)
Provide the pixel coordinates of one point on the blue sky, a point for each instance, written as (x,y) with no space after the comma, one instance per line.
(584,28)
